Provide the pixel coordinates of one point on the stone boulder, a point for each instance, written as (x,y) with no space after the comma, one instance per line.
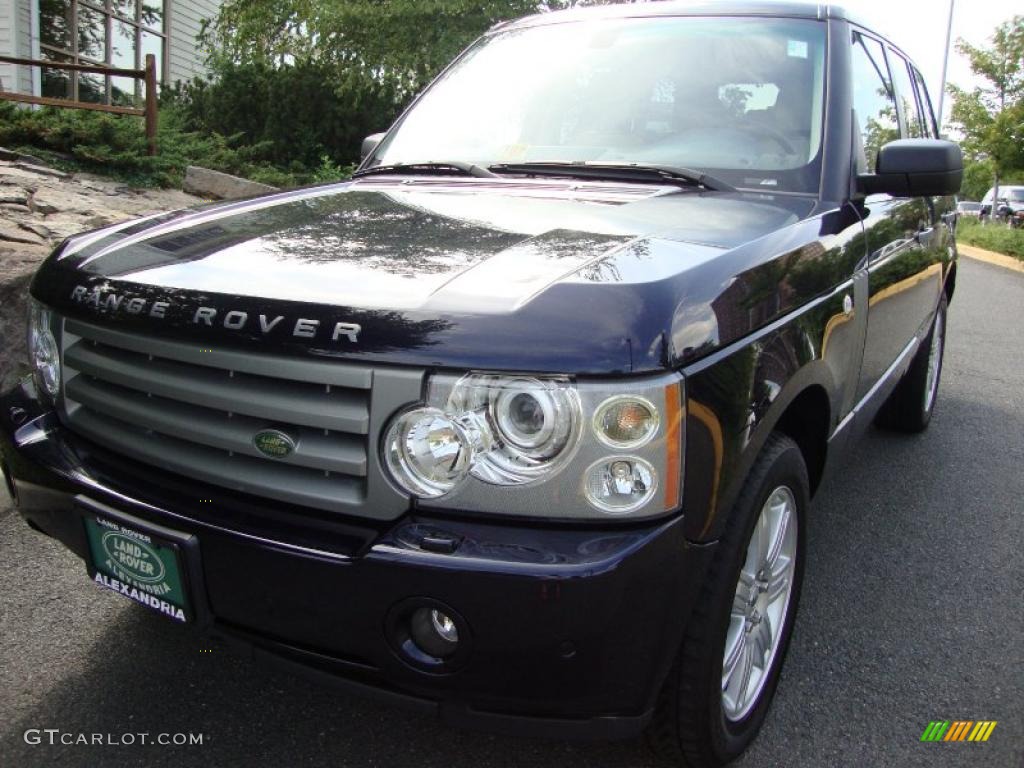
(220,186)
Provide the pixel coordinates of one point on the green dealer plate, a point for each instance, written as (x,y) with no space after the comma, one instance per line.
(137,565)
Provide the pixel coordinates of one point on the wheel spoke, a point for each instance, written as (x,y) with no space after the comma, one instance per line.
(762,641)
(740,604)
(747,577)
(746,669)
(733,658)
(780,534)
(764,542)
(779,580)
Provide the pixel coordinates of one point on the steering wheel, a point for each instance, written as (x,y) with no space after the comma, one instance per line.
(769,133)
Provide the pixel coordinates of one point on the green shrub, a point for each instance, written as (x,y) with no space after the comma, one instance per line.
(293,112)
(991,237)
(76,140)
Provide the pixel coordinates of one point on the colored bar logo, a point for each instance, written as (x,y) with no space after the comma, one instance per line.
(958,730)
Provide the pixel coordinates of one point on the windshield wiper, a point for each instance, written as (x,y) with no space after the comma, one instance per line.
(430,168)
(623,171)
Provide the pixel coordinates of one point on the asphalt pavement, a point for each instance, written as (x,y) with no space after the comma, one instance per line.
(912,611)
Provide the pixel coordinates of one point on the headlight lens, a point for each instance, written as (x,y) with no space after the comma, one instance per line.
(43,352)
(428,452)
(570,449)
(527,425)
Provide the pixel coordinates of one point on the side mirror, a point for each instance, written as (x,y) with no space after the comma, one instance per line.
(369,144)
(916,168)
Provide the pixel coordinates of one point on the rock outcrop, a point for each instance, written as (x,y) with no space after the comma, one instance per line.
(39,207)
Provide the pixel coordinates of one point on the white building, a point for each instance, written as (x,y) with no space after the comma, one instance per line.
(117,33)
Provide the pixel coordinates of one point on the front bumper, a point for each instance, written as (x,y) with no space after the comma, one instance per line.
(571,628)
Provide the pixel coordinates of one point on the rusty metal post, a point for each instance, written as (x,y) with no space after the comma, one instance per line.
(151,111)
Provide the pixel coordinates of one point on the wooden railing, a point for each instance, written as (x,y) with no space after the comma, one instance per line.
(147,75)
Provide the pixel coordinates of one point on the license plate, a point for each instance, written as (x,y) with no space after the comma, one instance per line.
(138,565)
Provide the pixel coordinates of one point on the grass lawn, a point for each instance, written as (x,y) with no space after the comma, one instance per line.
(991,237)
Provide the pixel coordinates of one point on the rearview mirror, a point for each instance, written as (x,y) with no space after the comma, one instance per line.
(369,144)
(916,168)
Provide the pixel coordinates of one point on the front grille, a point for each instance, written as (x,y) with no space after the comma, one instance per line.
(196,411)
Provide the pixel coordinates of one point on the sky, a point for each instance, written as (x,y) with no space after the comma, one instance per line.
(919,27)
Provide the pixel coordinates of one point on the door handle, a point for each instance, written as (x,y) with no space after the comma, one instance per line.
(925,236)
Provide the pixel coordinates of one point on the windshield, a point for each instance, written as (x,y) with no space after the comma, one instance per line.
(739,98)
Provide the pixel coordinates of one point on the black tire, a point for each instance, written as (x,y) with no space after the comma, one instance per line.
(909,407)
(690,726)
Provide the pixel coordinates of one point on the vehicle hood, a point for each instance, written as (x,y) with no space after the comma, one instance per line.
(495,273)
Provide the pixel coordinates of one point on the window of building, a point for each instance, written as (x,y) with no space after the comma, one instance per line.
(113,33)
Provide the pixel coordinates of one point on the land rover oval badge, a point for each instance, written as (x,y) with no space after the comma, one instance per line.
(273,443)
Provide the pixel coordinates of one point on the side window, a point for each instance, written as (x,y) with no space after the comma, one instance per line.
(873,98)
(914,124)
(930,127)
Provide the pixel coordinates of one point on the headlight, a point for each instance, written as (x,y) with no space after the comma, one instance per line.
(43,354)
(428,452)
(543,446)
(528,425)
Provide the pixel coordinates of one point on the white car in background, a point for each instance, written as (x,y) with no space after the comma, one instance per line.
(1011,203)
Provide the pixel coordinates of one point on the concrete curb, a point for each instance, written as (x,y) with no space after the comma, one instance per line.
(990,257)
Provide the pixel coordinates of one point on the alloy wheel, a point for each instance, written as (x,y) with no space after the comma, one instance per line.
(760,604)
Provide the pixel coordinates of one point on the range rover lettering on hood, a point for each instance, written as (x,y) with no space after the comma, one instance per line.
(231,319)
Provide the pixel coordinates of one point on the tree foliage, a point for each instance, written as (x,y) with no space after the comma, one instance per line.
(395,46)
(991,116)
(391,45)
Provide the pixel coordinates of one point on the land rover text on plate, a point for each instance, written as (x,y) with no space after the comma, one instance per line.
(521,424)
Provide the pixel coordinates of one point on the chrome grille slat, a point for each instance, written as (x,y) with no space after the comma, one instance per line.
(294,403)
(334,452)
(282,482)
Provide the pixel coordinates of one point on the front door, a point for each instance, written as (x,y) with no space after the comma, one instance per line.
(904,248)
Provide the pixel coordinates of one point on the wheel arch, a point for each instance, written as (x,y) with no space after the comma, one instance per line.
(803,408)
(807,420)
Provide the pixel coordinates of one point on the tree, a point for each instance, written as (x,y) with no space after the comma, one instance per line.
(991,116)
(395,46)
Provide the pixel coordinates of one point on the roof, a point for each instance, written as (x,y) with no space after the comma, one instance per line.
(787,8)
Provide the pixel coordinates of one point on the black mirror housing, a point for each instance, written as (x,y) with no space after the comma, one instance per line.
(369,144)
(916,168)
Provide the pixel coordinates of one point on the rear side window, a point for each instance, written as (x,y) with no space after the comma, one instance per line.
(873,99)
(930,127)
(914,127)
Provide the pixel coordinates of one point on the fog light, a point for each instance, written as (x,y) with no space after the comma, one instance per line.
(625,421)
(434,632)
(621,484)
